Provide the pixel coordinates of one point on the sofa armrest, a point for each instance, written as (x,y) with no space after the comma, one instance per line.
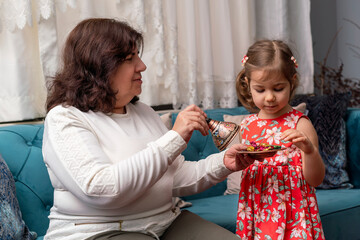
(352,145)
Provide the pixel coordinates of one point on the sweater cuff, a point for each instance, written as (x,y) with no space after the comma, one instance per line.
(172,143)
(219,167)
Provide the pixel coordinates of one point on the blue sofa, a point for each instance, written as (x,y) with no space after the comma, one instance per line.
(20,146)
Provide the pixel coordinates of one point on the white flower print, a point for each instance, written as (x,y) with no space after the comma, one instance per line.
(302,219)
(262,215)
(241,211)
(281,158)
(264,198)
(313,203)
(244,212)
(281,200)
(272,184)
(281,231)
(243,124)
(273,135)
(250,227)
(291,120)
(261,123)
(292,183)
(295,233)
(294,152)
(275,215)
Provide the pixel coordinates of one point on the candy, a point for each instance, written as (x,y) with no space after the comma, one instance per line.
(261,147)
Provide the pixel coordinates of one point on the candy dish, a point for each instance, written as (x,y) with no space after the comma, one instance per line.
(262,154)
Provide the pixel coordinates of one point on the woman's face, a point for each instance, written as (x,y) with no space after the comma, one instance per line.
(127,80)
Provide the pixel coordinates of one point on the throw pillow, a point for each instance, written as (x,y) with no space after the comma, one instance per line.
(166,119)
(234,179)
(327,114)
(12,226)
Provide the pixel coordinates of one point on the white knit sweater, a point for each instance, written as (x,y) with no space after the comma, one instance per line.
(118,171)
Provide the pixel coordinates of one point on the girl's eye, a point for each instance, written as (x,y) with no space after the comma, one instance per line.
(259,90)
(278,89)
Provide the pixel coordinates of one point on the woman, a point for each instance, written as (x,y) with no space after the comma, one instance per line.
(114,165)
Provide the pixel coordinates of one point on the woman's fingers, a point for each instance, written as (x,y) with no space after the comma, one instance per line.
(190,119)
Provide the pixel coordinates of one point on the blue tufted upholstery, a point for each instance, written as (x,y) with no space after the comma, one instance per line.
(21,149)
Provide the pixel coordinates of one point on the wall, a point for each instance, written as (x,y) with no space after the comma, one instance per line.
(329,16)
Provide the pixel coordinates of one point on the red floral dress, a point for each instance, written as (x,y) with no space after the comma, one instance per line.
(275,201)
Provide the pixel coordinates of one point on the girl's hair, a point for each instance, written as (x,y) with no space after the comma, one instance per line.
(271,56)
(93,51)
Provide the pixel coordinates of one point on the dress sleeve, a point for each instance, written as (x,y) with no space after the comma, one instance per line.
(78,164)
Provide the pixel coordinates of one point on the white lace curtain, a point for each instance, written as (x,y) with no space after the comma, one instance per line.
(193,48)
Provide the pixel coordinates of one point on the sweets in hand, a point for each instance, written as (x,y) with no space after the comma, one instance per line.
(261,147)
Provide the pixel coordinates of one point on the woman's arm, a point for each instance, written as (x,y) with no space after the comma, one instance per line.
(78,163)
(305,138)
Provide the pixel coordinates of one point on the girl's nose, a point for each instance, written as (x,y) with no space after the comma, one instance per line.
(270,97)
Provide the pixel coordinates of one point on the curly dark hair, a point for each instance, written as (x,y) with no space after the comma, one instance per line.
(93,51)
(272,56)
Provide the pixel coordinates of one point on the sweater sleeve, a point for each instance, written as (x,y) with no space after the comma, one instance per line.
(196,176)
(78,164)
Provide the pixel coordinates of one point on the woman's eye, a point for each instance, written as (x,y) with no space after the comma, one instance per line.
(130,57)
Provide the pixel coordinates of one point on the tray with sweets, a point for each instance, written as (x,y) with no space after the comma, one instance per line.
(261,150)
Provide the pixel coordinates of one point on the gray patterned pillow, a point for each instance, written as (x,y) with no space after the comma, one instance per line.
(327,114)
(12,225)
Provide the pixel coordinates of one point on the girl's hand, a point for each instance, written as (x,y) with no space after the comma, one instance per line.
(190,119)
(299,139)
(305,138)
(235,161)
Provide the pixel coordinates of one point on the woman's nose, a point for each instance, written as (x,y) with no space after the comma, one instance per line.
(141,66)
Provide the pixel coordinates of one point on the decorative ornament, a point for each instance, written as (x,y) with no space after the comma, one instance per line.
(222,132)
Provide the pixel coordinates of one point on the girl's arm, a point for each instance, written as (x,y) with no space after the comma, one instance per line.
(305,138)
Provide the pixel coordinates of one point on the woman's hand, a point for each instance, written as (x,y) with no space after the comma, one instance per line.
(235,161)
(190,119)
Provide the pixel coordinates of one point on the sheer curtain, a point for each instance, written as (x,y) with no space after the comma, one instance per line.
(193,49)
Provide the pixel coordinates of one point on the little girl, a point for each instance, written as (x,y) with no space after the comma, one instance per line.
(277,196)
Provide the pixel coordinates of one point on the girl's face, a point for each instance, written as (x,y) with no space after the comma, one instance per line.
(270,93)
(127,80)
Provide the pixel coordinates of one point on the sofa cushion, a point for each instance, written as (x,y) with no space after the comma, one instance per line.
(22,152)
(327,114)
(221,210)
(12,226)
(339,212)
